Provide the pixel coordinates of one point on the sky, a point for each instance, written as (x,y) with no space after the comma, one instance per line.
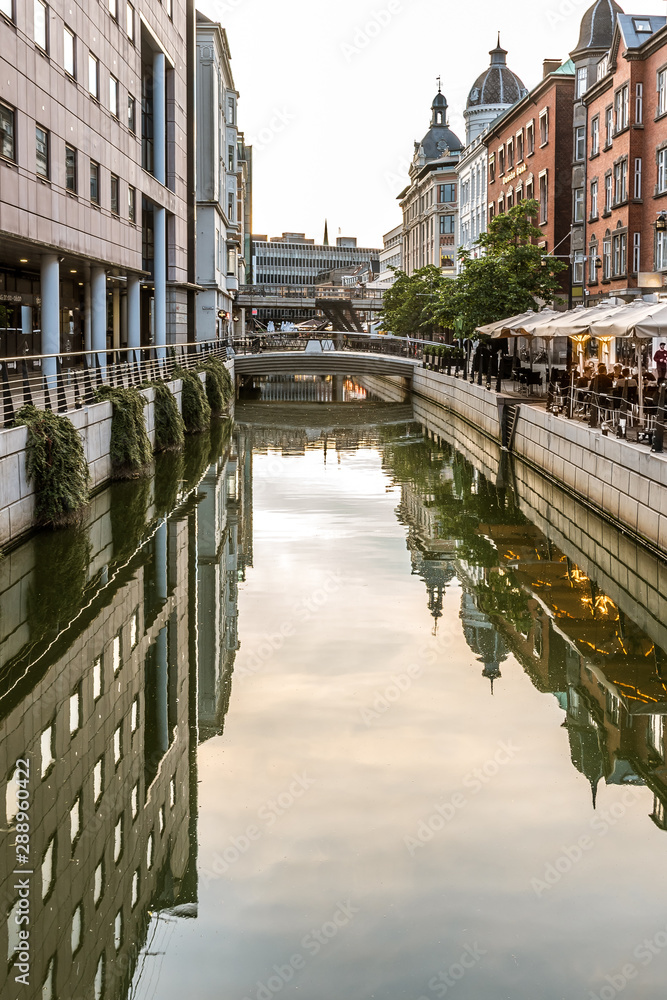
(333,93)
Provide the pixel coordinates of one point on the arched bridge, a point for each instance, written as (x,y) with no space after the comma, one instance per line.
(331,355)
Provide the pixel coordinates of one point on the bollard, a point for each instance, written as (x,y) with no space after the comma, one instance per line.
(7,401)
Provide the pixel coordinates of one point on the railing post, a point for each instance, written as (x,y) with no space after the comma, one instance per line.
(27,394)
(570,403)
(60,388)
(7,401)
(659,432)
(47,394)
(89,395)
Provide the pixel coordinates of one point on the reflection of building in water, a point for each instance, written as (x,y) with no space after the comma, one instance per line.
(432,557)
(482,637)
(105,713)
(309,389)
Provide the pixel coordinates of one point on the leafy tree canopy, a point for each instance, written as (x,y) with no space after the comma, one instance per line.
(408,305)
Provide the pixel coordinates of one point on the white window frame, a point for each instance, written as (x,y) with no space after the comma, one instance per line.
(662,91)
(93,76)
(636,252)
(582,81)
(40,32)
(69,45)
(594,199)
(662,170)
(595,136)
(639,104)
(638,177)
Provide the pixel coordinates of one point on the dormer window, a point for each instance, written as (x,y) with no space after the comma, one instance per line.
(642,25)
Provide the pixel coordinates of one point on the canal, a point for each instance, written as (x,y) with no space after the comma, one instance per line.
(339,703)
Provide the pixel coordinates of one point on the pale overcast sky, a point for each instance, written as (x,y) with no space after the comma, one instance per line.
(334,93)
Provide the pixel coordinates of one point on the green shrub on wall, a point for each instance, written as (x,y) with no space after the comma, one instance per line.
(56,466)
(169,426)
(195,405)
(219,388)
(131,451)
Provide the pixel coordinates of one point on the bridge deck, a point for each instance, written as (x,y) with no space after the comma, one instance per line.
(324,363)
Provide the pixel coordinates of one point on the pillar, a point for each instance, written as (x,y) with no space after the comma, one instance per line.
(98,282)
(123,322)
(87,316)
(160,265)
(115,303)
(50,289)
(134,313)
(159,117)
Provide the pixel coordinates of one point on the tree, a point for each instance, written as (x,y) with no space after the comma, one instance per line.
(408,304)
(513,274)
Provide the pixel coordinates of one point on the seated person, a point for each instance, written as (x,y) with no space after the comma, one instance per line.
(583,381)
(605,381)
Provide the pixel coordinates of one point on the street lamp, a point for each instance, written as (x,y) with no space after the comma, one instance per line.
(661,224)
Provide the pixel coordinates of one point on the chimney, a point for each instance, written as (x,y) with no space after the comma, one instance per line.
(549,66)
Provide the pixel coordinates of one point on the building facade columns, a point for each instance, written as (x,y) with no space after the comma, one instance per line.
(50,291)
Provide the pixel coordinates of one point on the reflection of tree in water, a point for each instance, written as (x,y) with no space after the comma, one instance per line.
(128,511)
(167,481)
(56,589)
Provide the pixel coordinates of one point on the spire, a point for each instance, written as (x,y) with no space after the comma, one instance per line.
(498,55)
(326,233)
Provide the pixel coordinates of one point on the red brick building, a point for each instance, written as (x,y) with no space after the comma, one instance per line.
(626,184)
(530,156)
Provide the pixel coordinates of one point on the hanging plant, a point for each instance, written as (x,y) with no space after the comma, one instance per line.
(169,427)
(56,466)
(219,388)
(195,406)
(131,451)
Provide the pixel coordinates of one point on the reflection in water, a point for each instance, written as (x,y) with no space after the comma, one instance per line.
(118,645)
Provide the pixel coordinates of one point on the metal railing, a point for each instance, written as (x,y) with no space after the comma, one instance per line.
(63,382)
(402,347)
(310,292)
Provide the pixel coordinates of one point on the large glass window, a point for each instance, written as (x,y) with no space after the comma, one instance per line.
(69,52)
(40,24)
(41,151)
(95,196)
(114,194)
(129,21)
(446,224)
(70,168)
(93,75)
(7,8)
(7,133)
(447,193)
(580,143)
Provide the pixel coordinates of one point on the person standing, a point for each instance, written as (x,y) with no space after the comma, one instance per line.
(660,358)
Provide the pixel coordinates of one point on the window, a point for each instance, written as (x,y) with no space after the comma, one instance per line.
(639,104)
(170,9)
(638,178)
(7,8)
(660,251)
(580,143)
(114,201)
(582,82)
(77,928)
(606,258)
(519,148)
(609,126)
(69,52)
(656,728)
(131,203)
(544,128)
(129,21)
(95,198)
(447,193)
(510,154)
(131,114)
(492,169)
(501,160)
(636,252)
(662,170)
(48,867)
(97,665)
(595,136)
(115,647)
(578,195)
(621,102)
(594,199)
(544,198)
(7,134)
(93,75)
(40,30)
(47,750)
(98,780)
(41,151)
(75,712)
(620,250)
(230,158)
(113,96)
(662,92)
(578,268)
(530,138)
(617,183)
(607,193)
(593,262)
(230,207)
(113,9)
(70,169)
(446,224)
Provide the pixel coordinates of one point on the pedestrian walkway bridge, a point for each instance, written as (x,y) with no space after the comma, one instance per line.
(328,356)
(346,308)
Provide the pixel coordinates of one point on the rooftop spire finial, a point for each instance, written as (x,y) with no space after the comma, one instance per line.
(439,84)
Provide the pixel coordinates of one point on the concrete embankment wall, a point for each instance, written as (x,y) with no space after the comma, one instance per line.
(623,481)
(93,422)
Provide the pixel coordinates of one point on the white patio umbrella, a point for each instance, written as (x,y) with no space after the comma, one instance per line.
(495,329)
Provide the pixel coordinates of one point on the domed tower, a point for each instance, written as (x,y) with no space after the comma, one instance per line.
(439,137)
(494,90)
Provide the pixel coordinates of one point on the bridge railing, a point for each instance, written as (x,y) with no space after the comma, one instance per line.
(402,347)
(69,380)
(345,293)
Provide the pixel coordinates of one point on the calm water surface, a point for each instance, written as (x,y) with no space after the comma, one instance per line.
(380,737)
